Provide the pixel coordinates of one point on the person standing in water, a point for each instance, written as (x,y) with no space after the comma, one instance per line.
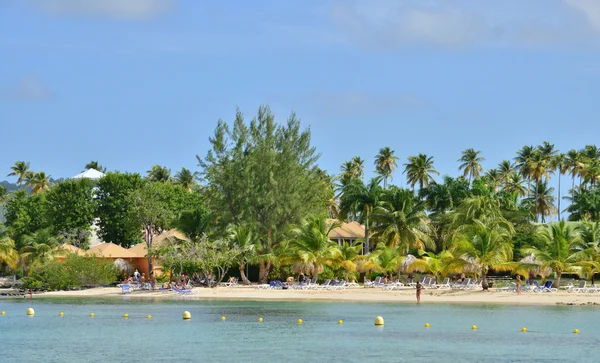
(419,288)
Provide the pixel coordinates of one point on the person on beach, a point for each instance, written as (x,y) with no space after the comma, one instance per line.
(136,275)
(419,288)
(462,277)
(301,278)
(518,284)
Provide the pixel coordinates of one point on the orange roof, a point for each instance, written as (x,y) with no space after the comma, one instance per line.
(72,249)
(111,250)
(139,250)
(352,230)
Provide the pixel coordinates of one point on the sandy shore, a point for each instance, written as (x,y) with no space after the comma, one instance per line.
(406,295)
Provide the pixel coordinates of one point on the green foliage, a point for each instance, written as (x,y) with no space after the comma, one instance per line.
(117,223)
(74,272)
(25,214)
(71,205)
(585,205)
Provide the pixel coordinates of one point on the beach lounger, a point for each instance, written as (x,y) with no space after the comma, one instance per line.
(445,284)
(511,287)
(582,287)
(368,283)
(125,288)
(182,291)
(546,288)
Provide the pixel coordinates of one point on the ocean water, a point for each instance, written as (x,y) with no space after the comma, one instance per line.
(108,337)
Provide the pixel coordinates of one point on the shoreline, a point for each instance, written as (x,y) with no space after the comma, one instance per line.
(359,295)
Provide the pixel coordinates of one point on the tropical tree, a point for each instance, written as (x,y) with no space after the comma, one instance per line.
(39,247)
(95,165)
(185,178)
(505,171)
(347,256)
(8,254)
(585,204)
(543,204)
(494,179)
(486,245)
(310,243)
(160,174)
(385,260)
(558,243)
(39,182)
(559,164)
(419,169)
(361,199)
(515,184)
(575,164)
(589,248)
(248,243)
(194,223)
(20,170)
(471,163)
(385,163)
(400,220)
(439,265)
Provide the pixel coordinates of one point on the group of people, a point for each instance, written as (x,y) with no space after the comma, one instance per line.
(137,277)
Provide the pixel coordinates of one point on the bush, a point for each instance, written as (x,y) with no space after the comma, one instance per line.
(74,272)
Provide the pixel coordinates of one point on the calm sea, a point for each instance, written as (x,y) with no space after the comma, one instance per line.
(108,337)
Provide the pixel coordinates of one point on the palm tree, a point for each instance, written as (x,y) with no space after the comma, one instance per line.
(247,241)
(358,166)
(3,199)
(185,178)
(385,259)
(39,182)
(522,160)
(538,166)
(385,163)
(39,247)
(575,164)
(471,163)
(547,149)
(505,170)
(438,265)
(358,198)
(487,245)
(559,163)
(194,223)
(419,169)
(8,254)
(514,184)
(94,165)
(400,220)
(347,256)
(589,250)
(310,243)
(159,174)
(493,179)
(543,204)
(558,242)
(21,170)
(591,172)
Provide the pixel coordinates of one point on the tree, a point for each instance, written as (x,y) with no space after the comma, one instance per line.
(94,165)
(514,184)
(471,163)
(543,204)
(401,221)
(263,175)
(505,171)
(385,259)
(3,200)
(8,253)
(185,178)
(20,170)
(71,205)
(589,248)
(310,242)
(385,163)
(585,204)
(419,169)
(194,223)
(439,265)
(39,247)
(575,164)
(538,166)
(485,244)
(39,182)
(25,214)
(558,241)
(347,256)
(247,242)
(159,174)
(361,199)
(115,220)
(559,163)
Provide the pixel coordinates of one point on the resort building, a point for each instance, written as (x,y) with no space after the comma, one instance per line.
(347,232)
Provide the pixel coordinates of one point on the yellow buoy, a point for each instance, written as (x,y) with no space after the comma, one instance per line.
(4,313)
(524,329)
(260,320)
(61,314)
(340,322)
(186,315)
(149,316)
(474,327)
(30,312)
(427,325)
(379,321)
(300,321)
(576,331)
(223,318)
(92,315)
(126,316)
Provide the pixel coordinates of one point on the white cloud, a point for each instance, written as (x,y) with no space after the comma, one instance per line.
(591,9)
(27,88)
(119,9)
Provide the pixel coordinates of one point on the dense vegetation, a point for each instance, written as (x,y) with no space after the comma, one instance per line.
(260,199)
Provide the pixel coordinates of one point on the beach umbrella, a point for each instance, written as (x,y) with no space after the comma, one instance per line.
(531,265)
(124,266)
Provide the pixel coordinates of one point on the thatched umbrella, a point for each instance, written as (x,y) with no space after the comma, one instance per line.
(530,265)
(406,262)
(123,266)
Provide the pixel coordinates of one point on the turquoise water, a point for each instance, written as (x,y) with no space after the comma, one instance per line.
(108,337)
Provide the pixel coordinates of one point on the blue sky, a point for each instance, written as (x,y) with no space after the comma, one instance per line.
(141,82)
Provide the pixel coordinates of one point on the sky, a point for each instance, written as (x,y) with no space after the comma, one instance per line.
(142,82)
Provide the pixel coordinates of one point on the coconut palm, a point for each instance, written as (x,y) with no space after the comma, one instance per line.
(159,174)
(39,247)
(494,179)
(589,249)
(243,237)
(505,170)
(558,246)
(575,164)
(310,243)
(515,184)
(385,259)
(419,169)
(400,220)
(8,254)
(471,163)
(522,160)
(95,165)
(185,178)
(439,265)
(559,164)
(487,245)
(20,170)
(358,166)
(547,149)
(539,167)
(360,199)
(543,204)
(385,163)
(194,223)
(39,182)
(347,256)
(591,172)
(585,204)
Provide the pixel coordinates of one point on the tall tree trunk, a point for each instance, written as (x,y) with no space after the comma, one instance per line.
(346,276)
(484,283)
(367,235)
(245,280)
(558,275)
(536,200)
(263,272)
(148,235)
(559,195)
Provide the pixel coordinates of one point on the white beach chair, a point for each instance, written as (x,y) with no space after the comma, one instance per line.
(582,287)
(445,284)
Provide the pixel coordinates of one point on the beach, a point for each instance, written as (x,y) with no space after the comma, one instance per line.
(360,294)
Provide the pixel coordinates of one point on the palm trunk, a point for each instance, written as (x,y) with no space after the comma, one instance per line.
(484,283)
(263,272)
(536,200)
(245,280)
(148,247)
(559,195)
(346,276)
(558,275)
(367,236)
